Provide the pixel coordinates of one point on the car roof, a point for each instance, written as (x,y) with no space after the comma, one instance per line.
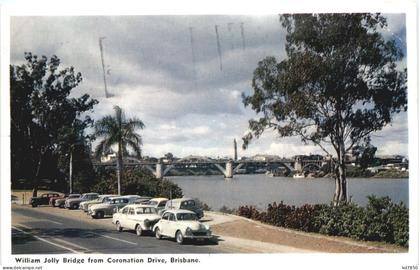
(90,194)
(120,197)
(181,199)
(159,199)
(180,211)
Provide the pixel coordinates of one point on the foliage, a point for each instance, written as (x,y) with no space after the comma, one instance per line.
(41,112)
(338,84)
(380,220)
(227,210)
(202,205)
(365,154)
(137,183)
(118,130)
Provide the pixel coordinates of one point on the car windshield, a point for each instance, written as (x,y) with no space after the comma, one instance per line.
(186,216)
(187,204)
(145,210)
(152,202)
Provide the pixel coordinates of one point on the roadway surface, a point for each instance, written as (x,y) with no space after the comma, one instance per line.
(41,231)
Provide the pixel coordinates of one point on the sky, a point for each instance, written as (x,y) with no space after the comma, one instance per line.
(188,97)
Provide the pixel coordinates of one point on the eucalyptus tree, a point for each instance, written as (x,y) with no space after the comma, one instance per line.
(118,130)
(74,146)
(338,83)
(41,111)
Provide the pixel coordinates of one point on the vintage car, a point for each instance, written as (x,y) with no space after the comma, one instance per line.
(59,202)
(101,199)
(44,199)
(184,203)
(54,198)
(110,207)
(142,200)
(136,217)
(74,203)
(181,225)
(158,203)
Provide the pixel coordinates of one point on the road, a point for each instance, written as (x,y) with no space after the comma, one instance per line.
(46,230)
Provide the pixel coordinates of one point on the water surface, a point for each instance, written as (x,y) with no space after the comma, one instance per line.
(259,190)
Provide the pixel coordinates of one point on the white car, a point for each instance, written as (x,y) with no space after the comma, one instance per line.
(136,217)
(102,199)
(158,203)
(181,225)
(110,207)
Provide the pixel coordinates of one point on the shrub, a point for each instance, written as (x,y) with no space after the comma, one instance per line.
(302,218)
(380,220)
(202,205)
(227,210)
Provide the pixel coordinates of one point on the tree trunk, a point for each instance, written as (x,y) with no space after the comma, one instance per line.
(36,178)
(120,166)
(340,195)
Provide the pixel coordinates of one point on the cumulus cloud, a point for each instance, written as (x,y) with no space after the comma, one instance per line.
(189,104)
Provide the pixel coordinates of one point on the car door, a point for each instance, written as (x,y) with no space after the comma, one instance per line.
(172,227)
(122,216)
(163,224)
(131,218)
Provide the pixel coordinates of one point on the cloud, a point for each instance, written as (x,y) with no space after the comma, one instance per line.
(189,106)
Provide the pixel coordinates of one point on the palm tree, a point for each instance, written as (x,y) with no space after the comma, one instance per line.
(117,130)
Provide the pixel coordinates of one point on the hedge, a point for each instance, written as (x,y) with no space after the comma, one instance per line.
(380,220)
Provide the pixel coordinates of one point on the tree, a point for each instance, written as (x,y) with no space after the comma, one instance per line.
(75,148)
(117,130)
(41,110)
(338,84)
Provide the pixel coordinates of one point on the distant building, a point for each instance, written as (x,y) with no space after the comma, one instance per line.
(109,157)
(260,157)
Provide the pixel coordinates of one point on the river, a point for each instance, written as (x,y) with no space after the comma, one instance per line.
(259,190)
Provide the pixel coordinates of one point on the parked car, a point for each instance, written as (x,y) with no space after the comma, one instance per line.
(142,200)
(110,207)
(101,199)
(136,217)
(181,225)
(59,202)
(184,203)
(74,202)
(158,203)
(44,199)
(53,199)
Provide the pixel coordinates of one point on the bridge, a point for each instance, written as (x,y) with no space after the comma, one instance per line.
(227,167)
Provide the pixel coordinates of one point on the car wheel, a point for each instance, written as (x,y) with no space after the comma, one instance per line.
(179,238)
(119,228)
(157,233)
(34,205)
(100,214)
(75,206)
(139,230)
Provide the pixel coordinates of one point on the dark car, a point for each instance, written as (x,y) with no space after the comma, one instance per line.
(44,199)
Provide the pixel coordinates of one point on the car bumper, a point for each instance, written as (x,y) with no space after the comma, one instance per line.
(199,235)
